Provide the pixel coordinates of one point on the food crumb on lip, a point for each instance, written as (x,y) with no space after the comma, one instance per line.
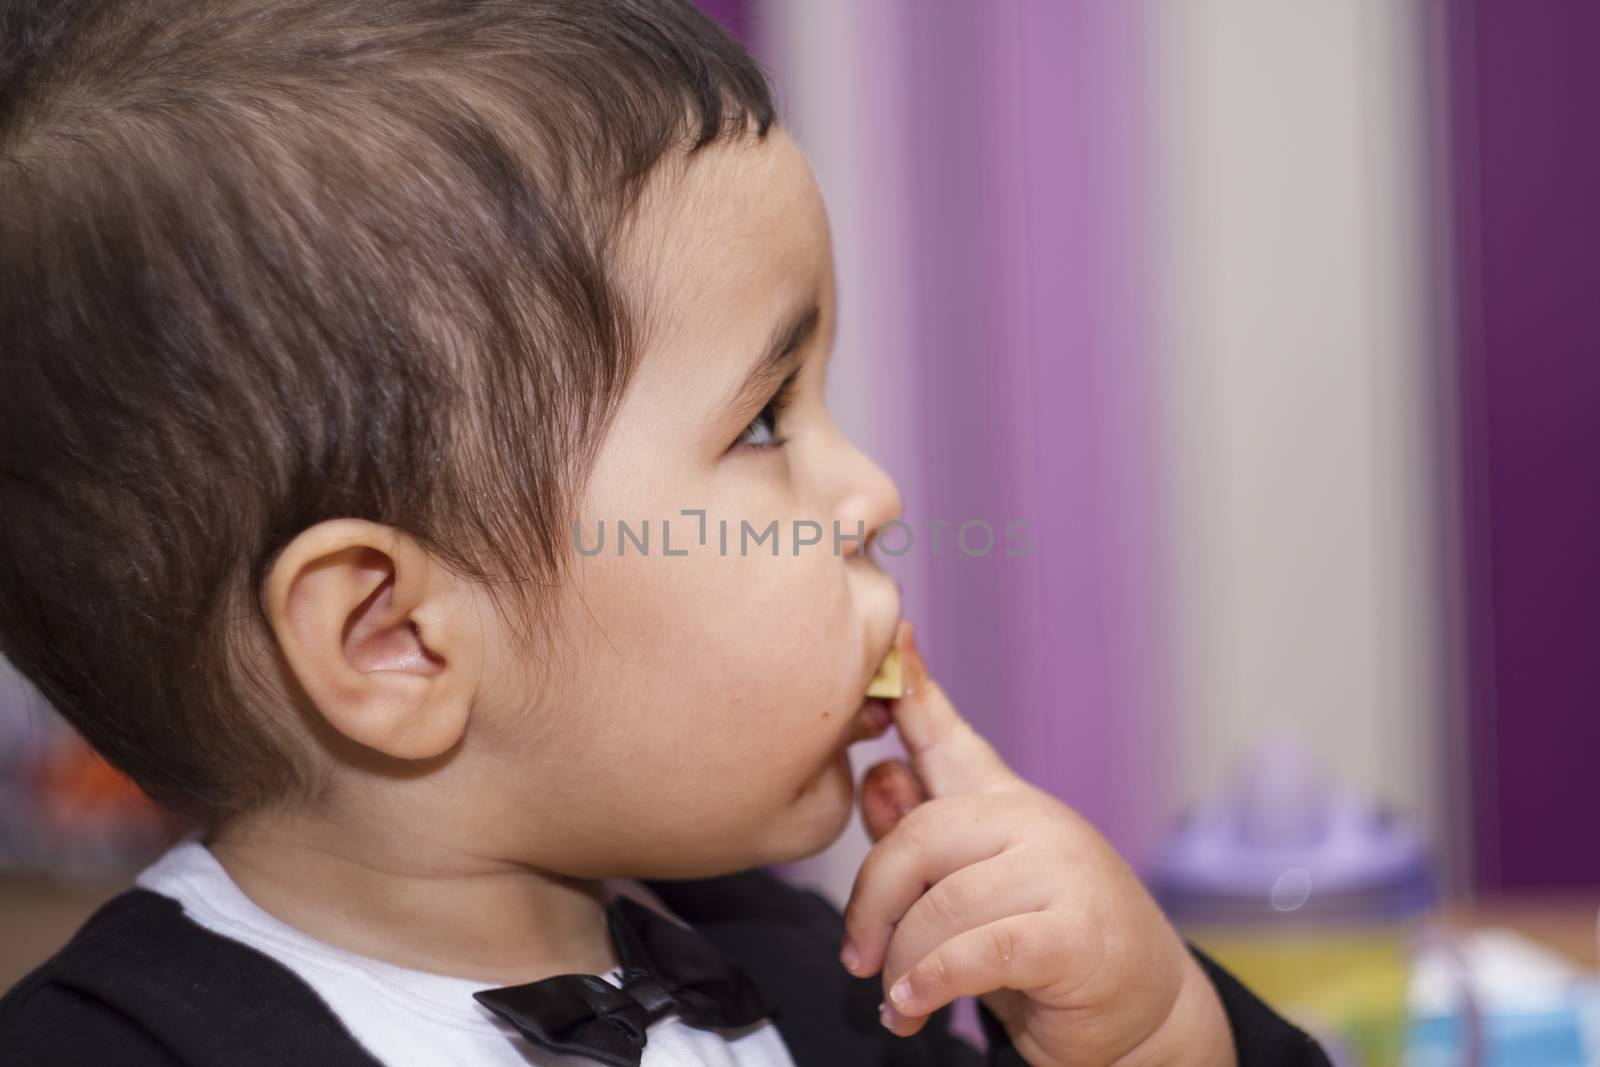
(888,681)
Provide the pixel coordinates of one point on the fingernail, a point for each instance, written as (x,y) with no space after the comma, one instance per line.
(889,1017)
(900,993)
(916,669)
(850,956)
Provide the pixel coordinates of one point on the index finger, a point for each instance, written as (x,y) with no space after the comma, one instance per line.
(947,754)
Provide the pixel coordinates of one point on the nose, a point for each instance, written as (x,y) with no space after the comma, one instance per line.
(867,499)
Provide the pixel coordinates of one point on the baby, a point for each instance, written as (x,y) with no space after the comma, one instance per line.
(336,334)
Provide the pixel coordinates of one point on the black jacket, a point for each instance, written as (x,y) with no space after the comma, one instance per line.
(140,985)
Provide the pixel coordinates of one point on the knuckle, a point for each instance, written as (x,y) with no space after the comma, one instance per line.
(943,906)
(1001,946)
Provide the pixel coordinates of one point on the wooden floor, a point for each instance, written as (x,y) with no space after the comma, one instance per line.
(38,915)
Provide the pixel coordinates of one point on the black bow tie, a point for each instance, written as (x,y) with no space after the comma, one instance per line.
(665,967)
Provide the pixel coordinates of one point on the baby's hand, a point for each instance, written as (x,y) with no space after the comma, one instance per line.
(993,888)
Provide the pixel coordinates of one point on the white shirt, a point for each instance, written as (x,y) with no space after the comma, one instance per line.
(404,1017)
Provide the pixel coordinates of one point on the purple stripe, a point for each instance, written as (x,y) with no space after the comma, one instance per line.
(1525,87)
(1033,379)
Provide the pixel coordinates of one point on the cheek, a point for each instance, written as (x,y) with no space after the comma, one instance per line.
(730,656)
(701,695)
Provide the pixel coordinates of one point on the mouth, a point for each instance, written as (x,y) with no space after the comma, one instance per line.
(871,720)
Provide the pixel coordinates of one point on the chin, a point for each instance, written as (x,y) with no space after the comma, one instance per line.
(819,813)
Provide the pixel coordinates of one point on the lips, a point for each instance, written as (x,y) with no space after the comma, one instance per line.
(871,720)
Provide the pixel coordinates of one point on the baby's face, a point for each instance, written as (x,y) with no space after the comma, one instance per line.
(697,716)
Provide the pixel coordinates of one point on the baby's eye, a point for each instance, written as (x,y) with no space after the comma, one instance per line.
(762,431)
(761,434)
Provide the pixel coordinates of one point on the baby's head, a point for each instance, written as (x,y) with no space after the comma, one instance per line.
(333,331)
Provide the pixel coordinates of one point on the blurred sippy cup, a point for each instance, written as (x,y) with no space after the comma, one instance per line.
(1311,895)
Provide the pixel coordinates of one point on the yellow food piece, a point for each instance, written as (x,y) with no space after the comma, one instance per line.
(887,682)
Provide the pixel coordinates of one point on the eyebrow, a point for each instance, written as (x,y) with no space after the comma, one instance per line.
(778,359)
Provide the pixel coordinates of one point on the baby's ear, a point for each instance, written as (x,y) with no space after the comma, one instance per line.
(382,638)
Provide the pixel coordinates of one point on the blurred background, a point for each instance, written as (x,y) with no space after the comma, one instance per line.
(1277,327)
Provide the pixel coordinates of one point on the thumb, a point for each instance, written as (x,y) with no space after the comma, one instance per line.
(888,791)
(947,754)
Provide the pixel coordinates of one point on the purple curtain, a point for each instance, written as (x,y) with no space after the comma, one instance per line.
(1525,107)
(1032,379)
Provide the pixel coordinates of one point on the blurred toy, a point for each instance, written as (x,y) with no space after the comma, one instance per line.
(64,810)
(1493,998)
(1311,895)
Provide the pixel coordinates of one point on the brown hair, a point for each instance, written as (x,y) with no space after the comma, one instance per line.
(270,262)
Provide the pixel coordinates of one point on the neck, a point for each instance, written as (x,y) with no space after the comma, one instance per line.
(418,905)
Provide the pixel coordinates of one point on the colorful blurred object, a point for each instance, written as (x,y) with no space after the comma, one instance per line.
(63,810)
(1323,903)
(1309,894)
(1492,998)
